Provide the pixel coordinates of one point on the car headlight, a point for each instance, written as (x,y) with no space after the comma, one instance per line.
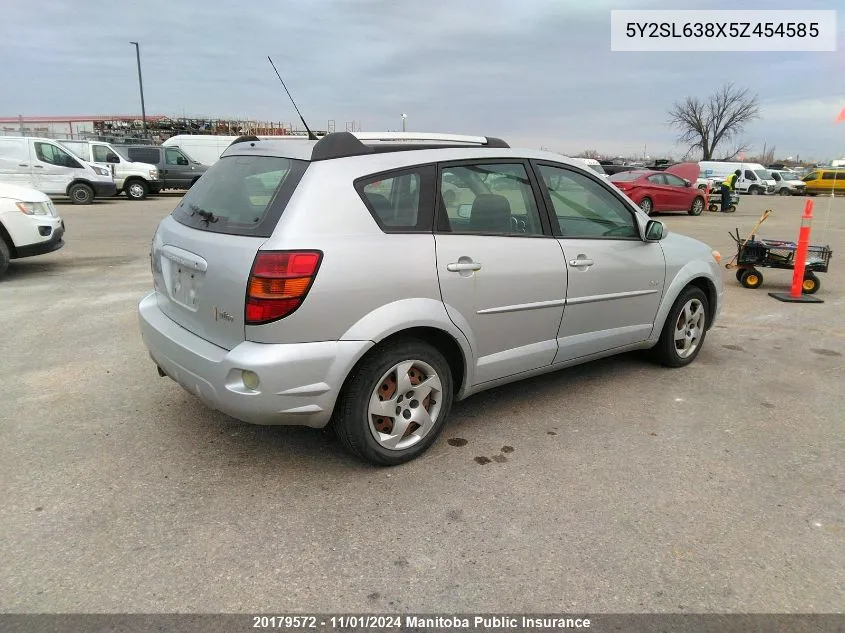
(34,208)
(101,172)
(154,174)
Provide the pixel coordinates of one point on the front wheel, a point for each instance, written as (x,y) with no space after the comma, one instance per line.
(751,278)
(5,256)
(785,192)
(684,331)
(755,191)
(81,193)
(697,206)
(136,190)
(395,403)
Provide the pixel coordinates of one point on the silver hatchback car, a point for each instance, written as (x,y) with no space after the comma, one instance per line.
(368,281)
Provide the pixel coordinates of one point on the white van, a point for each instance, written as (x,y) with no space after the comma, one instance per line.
(136,179)
(595,165)
(44,165)
(207,148)
(753,179)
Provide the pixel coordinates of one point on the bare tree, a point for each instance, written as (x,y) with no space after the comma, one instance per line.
(767,156)
(704,124)
(589,153)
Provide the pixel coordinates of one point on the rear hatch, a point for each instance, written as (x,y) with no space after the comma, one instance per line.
(203,252)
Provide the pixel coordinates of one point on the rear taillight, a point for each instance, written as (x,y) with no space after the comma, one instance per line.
(278,284)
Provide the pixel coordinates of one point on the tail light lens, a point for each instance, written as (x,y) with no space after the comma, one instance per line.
(278,284)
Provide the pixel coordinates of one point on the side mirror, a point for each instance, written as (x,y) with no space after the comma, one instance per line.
(687,183)
(654,231)
(112,159)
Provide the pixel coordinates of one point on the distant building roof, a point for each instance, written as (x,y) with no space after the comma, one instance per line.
(80,119)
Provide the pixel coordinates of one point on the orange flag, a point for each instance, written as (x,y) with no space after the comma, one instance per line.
(841,116)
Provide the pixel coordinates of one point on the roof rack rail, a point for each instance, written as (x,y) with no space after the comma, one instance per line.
(343,144)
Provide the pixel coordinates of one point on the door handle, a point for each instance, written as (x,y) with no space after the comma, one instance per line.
(457,267)
(38,166)
(581,262)
(23,165)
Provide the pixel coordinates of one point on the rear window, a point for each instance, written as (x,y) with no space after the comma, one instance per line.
(241,195)
(144,154)
(624,176)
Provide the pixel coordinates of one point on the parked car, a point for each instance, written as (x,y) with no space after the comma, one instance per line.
(661,191)
(754,178)
(335,282)
(44,165)
(595,165)
(788,182)
(136,179)
(29,224)
(825,181)
(176,168)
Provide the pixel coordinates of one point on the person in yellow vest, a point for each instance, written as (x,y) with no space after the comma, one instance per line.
(728,185)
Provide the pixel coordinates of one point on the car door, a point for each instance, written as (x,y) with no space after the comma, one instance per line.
(54,168)
(15,163)
(615,279)
(502,274)
(179,172)
(680,195)
(660,195)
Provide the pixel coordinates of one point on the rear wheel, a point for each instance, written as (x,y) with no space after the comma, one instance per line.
(755,191)
(697,206)
(5,256)
(136,189)
(785,192)
(751,278)
(684,331)
(395,404)
(811,284)
(647,206)
(81,193)
(739,273)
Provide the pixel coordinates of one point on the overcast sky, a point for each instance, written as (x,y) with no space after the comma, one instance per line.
(538,73)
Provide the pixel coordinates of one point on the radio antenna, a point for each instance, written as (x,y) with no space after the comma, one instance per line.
(311,136)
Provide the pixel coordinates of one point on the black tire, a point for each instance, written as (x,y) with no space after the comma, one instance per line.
(136,189)
(354,425)
(751,278)
(785,191)
(739,272)
(666,351)
(732,209)
(80,193)
(811,284)
(193,182)
(5,256)
(697,206)
(647,206)
(713,208)
(755,191)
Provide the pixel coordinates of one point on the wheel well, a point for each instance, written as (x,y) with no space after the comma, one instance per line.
(79,182)
(707,287)
(4,235)
(444,343)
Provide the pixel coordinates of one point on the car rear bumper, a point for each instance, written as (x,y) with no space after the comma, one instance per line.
(299,383)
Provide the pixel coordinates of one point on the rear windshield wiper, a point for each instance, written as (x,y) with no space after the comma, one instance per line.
(208,216)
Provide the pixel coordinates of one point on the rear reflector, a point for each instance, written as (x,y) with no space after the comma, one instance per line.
(278,284)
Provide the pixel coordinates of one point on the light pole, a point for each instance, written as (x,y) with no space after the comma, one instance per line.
(404,116)
(141,86)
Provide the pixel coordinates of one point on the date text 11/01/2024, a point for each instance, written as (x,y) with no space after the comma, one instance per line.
(722,29)
(412,621)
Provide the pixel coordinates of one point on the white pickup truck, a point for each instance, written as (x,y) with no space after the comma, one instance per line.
(136,179)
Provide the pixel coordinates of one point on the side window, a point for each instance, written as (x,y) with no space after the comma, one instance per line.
(831,175)
(749,175)
(811,176)
(657,179)
(400,201)
(584,208)
(490,199)
(52,155)
(675,181)
(174,157)
(103,154)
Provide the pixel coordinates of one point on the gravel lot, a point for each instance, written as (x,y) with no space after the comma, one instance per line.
(618,486)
